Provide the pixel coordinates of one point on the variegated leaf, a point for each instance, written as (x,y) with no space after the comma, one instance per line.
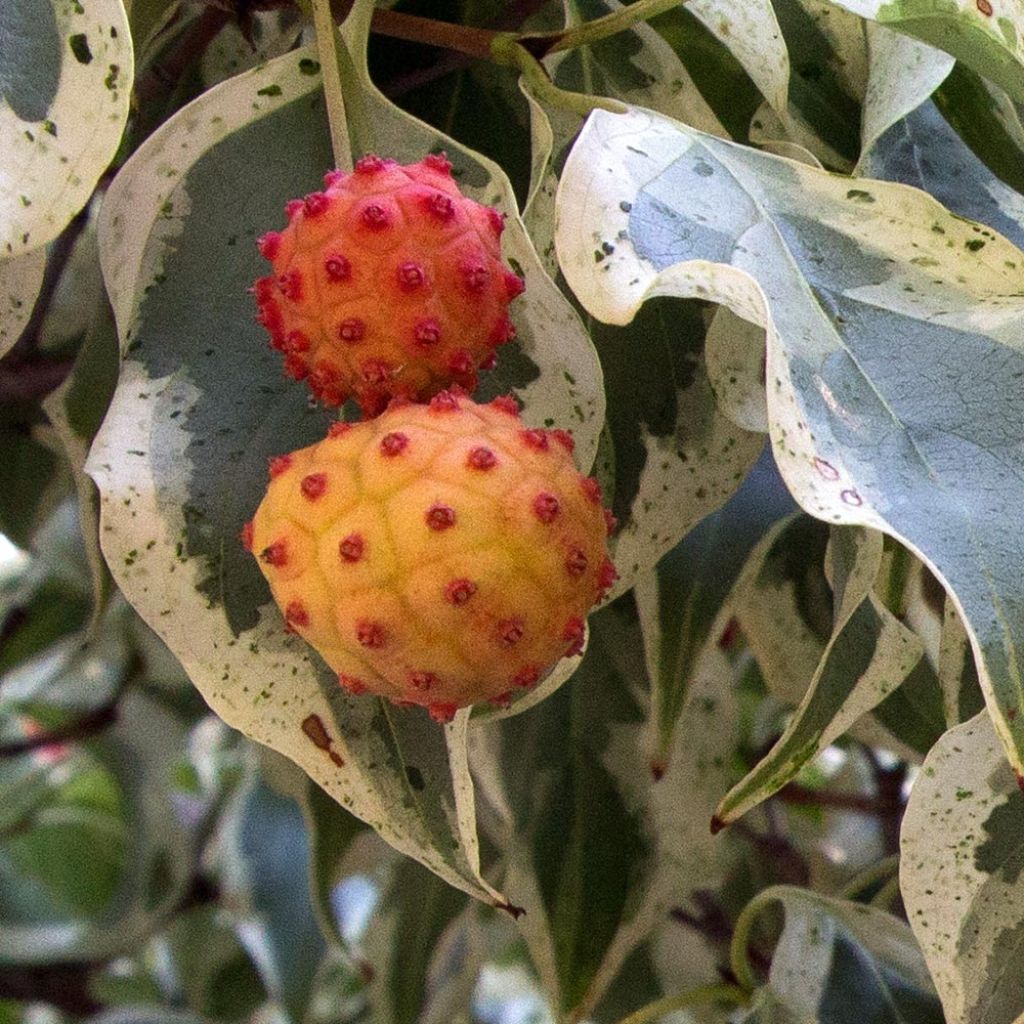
(895,437)
(21,277)
(66,73)
(962,851)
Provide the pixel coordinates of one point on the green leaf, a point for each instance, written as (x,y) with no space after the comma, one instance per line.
(139,752)
(267,869)
(894,437)
(54,611)
(677,458)
(960,874)
(923,150)
(987,120)
(902,74)
(218,978)
(76,408)
(987,42)
(839,962)
(66,75)
(869,654)
(958,674)
(415,909)
(751,33)
(589,902)
(30,483)
(21,277)
(718,75)
(331,830)
(681,599)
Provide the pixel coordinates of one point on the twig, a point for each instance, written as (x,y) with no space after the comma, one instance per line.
(82,728)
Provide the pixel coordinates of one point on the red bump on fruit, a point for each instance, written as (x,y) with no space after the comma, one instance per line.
(337,267)
(526,678)
(445,401)
(352,548)
(375,217)
(489,362)
(481,458)
(427,332)
(410,276)
(279,464)
(315,204)
(438,162)
(611,524)
(352,330)
(313,486)
(375,371)
(502,333)
(502,700)
(296,367)
(352,684)
(393,444)
(335,177)
(370,164)
(461,363)
(475,275)
(510,631)
(440,517)
(295,341)
(246,536)
(565,439)
(371,634)
(263,289)
(606,576)
(442,712)
(339,428)
(506,404)
(290,285)
(459,591)
(514,285)
(269,244)
(275,554)
(440,206)
(546,507)
(591,489)
(296,614)
(576,562)
(496,219)
(422,681)
(573,635)
(293,208)
(535,439)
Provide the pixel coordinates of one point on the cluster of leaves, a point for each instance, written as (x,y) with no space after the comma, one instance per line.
(773,286)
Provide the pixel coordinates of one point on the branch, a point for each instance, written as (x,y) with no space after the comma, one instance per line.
(82,728)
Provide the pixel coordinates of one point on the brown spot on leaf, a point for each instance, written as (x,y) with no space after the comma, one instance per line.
(316,732)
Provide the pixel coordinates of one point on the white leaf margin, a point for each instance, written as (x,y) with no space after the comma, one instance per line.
(51,167)
(21,277)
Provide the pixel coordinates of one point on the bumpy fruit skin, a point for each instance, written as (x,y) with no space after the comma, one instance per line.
(438,555)
(389,283)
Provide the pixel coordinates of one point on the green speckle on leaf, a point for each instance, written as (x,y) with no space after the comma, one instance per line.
(80,48)
(858,195)
(269,90)
(307,66)
(974,244)
(111,80)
